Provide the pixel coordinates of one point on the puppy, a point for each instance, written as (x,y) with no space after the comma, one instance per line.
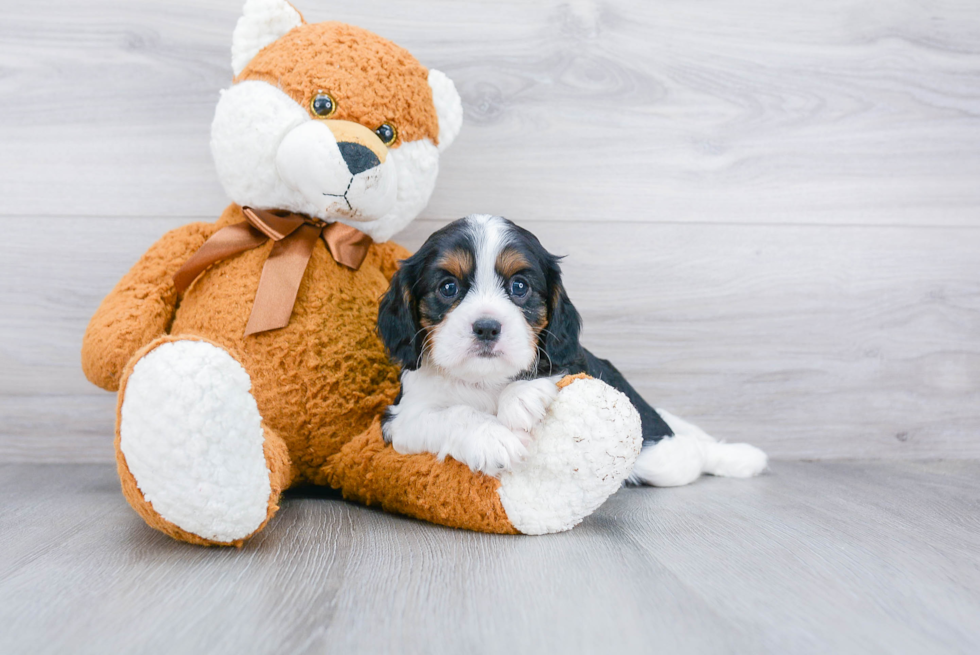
(483,329)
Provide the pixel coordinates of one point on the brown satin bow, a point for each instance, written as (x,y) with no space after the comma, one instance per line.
(294,236)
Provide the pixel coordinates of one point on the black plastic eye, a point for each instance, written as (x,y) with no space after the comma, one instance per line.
(519,286)
(323,105)
(387,133)
(448,288)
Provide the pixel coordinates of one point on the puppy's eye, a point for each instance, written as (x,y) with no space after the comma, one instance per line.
(519,286)
(387,133)
(323,105)
(448,288)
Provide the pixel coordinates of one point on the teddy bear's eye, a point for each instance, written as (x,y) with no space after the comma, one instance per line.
(323,105)
(387,133)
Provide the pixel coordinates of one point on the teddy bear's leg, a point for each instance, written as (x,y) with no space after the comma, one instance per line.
(579,455)
(194,458)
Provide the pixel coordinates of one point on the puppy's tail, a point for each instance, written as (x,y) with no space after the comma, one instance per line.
(682,458)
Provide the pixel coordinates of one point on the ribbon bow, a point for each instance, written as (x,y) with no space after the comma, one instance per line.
(294,236)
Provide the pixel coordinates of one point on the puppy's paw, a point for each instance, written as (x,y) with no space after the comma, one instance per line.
(491,448)
(524,403)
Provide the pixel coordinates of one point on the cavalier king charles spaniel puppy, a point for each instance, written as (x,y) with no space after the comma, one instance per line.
(483,329)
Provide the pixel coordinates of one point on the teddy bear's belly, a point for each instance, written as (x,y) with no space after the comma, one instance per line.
(322,379)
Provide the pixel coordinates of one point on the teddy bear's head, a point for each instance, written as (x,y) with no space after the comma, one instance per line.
(331,121)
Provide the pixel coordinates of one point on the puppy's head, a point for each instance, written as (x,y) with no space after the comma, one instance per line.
(483,301)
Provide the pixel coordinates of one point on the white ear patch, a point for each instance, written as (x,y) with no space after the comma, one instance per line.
(262,22)
(449,107)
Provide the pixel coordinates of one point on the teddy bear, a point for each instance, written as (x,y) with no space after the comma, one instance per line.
(244,352)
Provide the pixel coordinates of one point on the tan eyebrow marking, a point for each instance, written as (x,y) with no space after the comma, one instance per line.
(458,263)
(511,261)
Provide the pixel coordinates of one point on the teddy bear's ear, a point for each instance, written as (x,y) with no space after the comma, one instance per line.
(449,107)
(262,22)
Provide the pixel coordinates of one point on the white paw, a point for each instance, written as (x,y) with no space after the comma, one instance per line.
(192,437)
(490,448)
(524,403)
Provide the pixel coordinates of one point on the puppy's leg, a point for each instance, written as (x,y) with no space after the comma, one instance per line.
(468,435)
(524,403)
(680,459)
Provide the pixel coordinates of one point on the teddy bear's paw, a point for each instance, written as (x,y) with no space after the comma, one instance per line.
(579,455)
(491,448)
(523,404)
(192,438)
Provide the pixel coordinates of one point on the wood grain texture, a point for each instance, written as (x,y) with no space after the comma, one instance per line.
(845,557)
(771,211)
(846,111)
(808,341)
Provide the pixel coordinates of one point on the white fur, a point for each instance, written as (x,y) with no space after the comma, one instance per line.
(578,456)
(261,23)
(444,415)
(454,348)
(682,458)
(449,107)
(270,154)
(524,403)
(192,437)
(309,162)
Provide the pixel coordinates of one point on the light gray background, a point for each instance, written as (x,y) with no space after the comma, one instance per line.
(770,209)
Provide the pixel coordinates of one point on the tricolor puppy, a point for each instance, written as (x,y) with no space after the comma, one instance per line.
(482,327)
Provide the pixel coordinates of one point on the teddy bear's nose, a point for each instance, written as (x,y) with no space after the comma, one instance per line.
(358,158)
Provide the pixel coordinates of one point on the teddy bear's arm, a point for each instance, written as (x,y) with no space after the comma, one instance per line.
(140,307)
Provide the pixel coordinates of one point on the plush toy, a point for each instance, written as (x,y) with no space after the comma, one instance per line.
(244,352)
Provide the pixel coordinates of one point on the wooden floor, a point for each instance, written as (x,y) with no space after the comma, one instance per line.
(822,557)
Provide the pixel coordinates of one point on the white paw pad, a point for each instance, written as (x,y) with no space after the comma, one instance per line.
(192,437)
(579,455)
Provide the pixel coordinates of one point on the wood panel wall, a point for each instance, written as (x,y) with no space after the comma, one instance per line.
(771,209)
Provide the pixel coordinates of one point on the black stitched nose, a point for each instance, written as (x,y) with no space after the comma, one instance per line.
(486,329)
(359,158)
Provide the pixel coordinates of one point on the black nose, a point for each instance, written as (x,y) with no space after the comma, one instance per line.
(486,329)
(359,158)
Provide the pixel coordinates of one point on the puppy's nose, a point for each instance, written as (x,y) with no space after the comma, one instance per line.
(357,157)
(486,329)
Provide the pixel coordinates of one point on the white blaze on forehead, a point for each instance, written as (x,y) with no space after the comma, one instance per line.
(490,236)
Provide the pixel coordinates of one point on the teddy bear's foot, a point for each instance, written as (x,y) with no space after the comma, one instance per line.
(194,457)
(579,455)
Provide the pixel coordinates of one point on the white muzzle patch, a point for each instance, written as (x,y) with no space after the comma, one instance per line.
(344,183)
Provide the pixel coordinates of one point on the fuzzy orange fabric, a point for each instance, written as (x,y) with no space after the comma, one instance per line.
(372,80)
(319,383)
(276,456)
(447,493)
(142,306)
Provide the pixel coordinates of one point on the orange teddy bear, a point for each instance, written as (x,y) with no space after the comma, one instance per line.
(244,352)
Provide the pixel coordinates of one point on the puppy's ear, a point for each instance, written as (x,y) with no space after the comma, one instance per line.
(560,339)
(397,325)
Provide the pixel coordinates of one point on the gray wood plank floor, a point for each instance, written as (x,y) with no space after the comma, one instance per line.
(844,557)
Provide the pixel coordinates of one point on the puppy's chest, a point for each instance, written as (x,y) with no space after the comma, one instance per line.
(437,391)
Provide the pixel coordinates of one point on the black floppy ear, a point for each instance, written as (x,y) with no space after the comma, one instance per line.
(560,339)
(396,320)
